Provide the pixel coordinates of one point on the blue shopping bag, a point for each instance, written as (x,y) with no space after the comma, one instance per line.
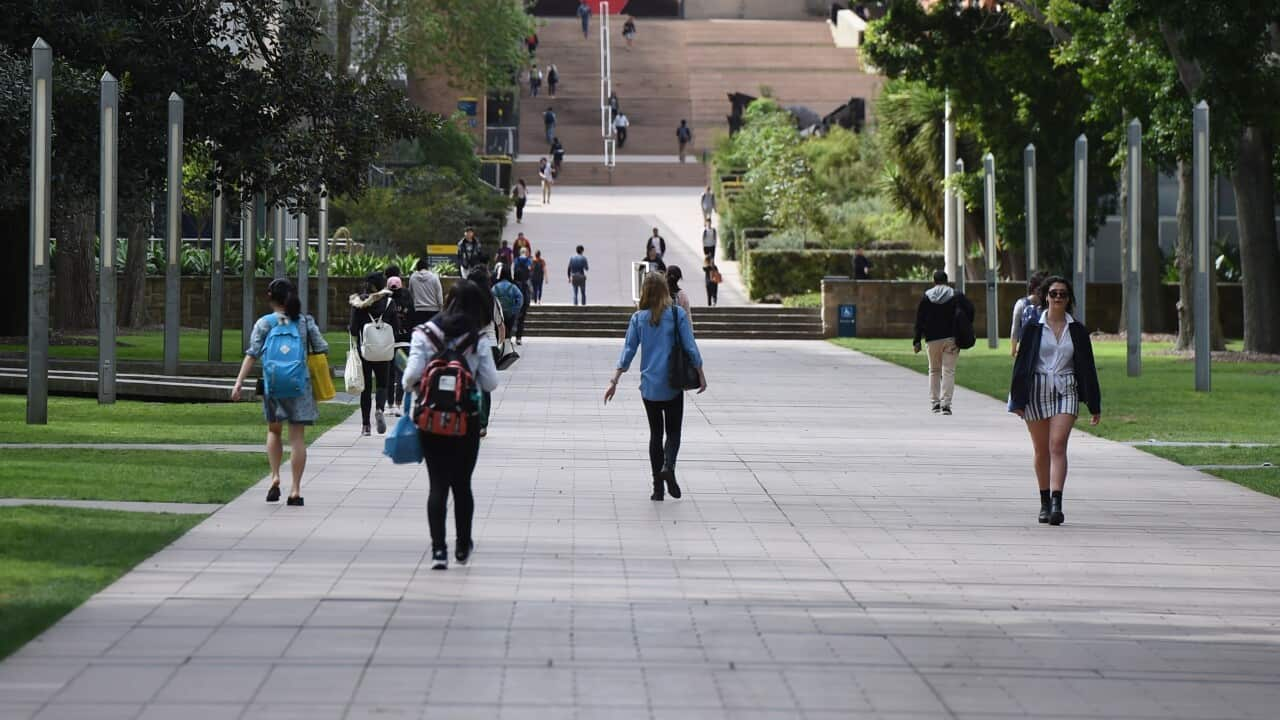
(402,444)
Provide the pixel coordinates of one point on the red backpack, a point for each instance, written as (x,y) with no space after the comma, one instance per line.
(448,397)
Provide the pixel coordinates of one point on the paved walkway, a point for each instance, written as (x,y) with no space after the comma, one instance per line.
(840,553)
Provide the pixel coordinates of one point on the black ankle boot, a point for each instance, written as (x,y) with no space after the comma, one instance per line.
(1044,506)
(673,488)
(1055,509)
(657,489)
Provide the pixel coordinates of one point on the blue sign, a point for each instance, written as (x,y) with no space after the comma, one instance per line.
(848,321)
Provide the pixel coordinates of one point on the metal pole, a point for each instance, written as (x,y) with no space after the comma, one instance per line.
(248,249)
(1133,281)
(989,213)
(304,264)
(1033,240)
(277,232)
(38,270)
(173,232)
(216,291)
(1080,220)
(109,105)
(1203,324)
(957,250)
(948,194)
(322,263)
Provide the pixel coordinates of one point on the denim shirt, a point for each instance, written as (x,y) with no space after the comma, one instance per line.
(657,343)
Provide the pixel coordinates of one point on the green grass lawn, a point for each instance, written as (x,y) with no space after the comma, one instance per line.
(53,559)
(193,346)
(1161,404)
(83,420)
(141,475)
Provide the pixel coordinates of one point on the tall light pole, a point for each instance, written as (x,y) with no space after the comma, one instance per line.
(304,262)
(38,270)
(277,231)
(1080,223)
(248,232)
(989,215)
(1133,280)
(958,211)
(216,288)
(109,108)
(1033,223)
(1200,191)
(948,193)
(322,262)
(173,239)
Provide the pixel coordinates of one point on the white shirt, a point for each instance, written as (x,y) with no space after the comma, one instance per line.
(621,121)
(1057,356)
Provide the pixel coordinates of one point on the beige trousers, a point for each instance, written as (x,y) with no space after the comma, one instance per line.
(943,355)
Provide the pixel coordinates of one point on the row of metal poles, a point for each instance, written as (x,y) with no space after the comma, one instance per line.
(954,244)
(38,308)
(606,89)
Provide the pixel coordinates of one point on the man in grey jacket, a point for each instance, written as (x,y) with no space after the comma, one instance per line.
(428,295)
(709,237)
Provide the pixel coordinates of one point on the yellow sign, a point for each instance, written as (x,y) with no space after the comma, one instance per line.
(441,249)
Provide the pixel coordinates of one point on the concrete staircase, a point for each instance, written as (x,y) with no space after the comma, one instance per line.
(753,322)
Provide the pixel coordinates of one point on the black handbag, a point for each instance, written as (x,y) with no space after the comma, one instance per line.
(683,375)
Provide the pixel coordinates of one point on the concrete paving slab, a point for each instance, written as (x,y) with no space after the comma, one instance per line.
(840,552)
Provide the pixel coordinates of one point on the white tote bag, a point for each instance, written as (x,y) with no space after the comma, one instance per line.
(353,376)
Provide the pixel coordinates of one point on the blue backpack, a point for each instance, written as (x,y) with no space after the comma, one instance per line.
(284,361)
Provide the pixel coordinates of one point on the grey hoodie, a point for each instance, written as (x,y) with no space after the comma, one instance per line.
(940,294)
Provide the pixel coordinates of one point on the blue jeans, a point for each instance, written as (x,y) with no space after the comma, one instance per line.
(580,289)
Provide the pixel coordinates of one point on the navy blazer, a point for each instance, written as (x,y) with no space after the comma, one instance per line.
(1086,370)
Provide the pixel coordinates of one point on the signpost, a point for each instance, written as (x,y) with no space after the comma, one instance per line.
(949,194)
(1133,279)
(956,260)
(248,249)
(322,263)
(173,239)
(1200,193)
(989,214)
(109,106)
(1080,222)
(216,291)
(38,271)
(1033,240)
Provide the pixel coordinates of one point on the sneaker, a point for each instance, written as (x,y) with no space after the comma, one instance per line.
(364,431)
(937,407)
(946,410)
(463,553)
(381,421)
(439,559)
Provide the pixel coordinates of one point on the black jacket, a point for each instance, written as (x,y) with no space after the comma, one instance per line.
(937,320)
(365,307)
(1086,370)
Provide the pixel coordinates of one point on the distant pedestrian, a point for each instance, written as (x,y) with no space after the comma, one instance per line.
(578,267)
(520,194)
(505,254)
(535,80)
(713,279)
(1026,311)
(509,296)
(553,78)
(614,108)
(653,328)
(656,242)
(936,323)
(549,123)
(861,265)
(708,203)
(709,238)
(557,157)
(547,178)
(654,261)
(531,43)
(537,275)
(373,328)
(451,459)
(1054,372)
(494,330)
(287,336)
(427,293)
(620,125)
(402,302)
(469,252)
(674,276)
(629,31)
(584,14)
(521,243)
(522,273)
(684,136)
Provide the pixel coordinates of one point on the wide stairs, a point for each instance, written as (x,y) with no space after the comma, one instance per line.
(751,322)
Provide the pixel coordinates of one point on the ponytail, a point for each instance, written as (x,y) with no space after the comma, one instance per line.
(283,293)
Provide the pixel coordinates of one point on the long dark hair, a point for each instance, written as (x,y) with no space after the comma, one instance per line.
(1048,283)
(283,293)
(479,275)
(674,276)
(1035,282)
(467,308)
(374,281)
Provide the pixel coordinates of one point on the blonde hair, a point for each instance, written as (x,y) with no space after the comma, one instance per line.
(655,296)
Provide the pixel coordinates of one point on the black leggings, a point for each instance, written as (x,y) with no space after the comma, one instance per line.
(450,462)
(520,208)
(713,292)
(668,415)
(375,384)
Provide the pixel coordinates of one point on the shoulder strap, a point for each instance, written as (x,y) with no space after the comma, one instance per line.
(675,327)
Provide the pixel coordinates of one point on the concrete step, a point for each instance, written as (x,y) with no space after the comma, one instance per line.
(689,174)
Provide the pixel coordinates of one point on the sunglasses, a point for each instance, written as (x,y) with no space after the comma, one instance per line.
(1059,294)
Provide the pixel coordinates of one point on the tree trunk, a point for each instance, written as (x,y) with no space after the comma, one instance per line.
(1185,260)
(133,288)
(75,281)
(1154,313)
(1259,253)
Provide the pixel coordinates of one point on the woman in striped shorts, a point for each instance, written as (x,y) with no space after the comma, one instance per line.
(1053,374)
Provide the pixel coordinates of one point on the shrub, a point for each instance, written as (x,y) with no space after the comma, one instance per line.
(776,274)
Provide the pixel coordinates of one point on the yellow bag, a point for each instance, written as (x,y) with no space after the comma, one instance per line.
(321,378)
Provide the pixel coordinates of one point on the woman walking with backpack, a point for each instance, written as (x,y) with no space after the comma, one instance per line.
(373,329)
(287,394)
(449,448)
(1053,374)
(654,328)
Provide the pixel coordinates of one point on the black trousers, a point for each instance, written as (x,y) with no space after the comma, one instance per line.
(713,293)
(375,384)
(668,416)
(622,136)
(527,290)
(450,463)
(520,208)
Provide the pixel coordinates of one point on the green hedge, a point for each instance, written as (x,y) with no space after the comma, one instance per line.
(774,274)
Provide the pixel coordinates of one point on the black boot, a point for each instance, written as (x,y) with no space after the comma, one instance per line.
(657,489)
(1044,506)
(1055,508)
(673,488)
